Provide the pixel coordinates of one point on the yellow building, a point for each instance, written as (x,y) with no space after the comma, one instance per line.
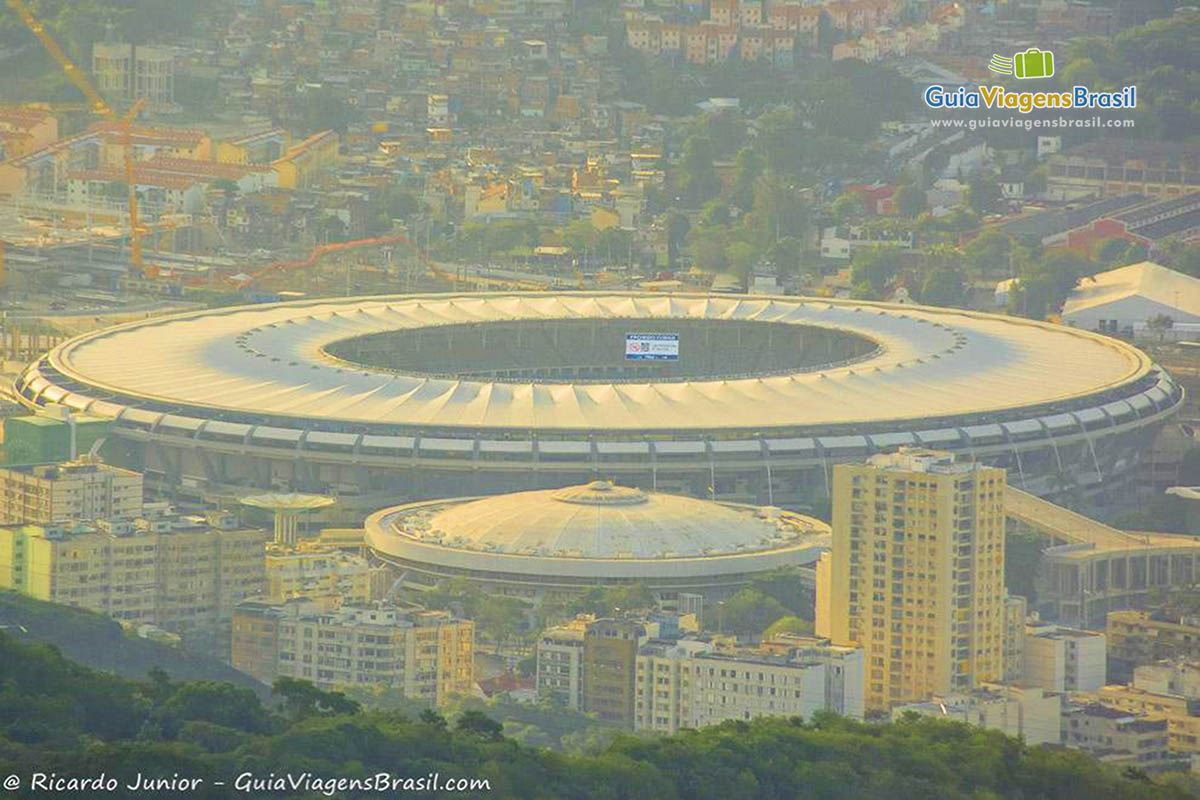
(72,491)
(181,573)
(24,130)
(609,666)
(258,148)
(1142,637)
(302,164)
(313,569)
(349,539)
(1181,713)
(425,654)
(916,576)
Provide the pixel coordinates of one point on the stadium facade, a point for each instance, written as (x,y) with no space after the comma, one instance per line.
(752,400)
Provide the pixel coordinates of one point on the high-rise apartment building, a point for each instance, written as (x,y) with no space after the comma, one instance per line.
(72,491)
(916,576)
(180,573)
(424,654)
(1015,614)
(560,662)
(609,668)
(131,72)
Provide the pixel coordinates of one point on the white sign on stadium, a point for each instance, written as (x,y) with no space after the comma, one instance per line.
(652,346)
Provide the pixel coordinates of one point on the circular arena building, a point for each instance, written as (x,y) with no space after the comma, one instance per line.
(741,398)
(554,544)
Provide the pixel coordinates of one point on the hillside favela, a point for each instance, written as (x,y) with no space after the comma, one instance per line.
(600,399)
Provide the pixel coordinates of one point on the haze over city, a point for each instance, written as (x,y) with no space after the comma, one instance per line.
(594,399)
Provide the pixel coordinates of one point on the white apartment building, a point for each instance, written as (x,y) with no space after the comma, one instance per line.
(1025,711)
(686,684)
(1061,659)
(560,662)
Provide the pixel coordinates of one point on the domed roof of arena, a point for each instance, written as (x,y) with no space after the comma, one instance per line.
(600,520)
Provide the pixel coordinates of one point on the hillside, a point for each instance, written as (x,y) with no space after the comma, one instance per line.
(57,715)
(99,642)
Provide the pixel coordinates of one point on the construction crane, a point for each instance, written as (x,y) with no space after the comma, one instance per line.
(98,106)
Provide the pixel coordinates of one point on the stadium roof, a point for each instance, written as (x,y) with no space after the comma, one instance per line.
(270,361)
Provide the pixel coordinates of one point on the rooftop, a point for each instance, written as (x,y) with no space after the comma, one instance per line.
(1147,280)
(601,520)
(273,360)
(932,462)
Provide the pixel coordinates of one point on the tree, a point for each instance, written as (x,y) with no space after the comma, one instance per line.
(320,109)
(987,254)
(500,618)
(580,236)
(677,231)
(220,703)
(433,718)
(1035,182)
(715,213)
(777,211)
(846,207)
(751,611)
(789,624)
(603,601)
(707,246)
(741,257)
(302,699)
(983,192)
(872,268)
(910,200)
(1043,284)
(1160,324)
(1022,555)
(750,166)
(479,724)
(1111,251)
(329,228)
(785,255)
(944,287)
(697,177)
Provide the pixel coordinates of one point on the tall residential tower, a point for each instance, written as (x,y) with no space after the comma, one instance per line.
(917,573)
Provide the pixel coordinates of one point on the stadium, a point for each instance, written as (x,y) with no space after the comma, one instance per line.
(553,544)
(734,398)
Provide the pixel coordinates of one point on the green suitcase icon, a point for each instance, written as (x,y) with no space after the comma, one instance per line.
(1033,63)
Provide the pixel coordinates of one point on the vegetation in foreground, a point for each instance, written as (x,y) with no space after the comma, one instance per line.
(58,716)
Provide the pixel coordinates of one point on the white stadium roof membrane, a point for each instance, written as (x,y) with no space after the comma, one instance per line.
(269,362)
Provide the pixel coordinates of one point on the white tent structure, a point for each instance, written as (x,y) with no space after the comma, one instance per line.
(1125,300)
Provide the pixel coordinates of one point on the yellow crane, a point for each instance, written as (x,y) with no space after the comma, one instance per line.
(98,106)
